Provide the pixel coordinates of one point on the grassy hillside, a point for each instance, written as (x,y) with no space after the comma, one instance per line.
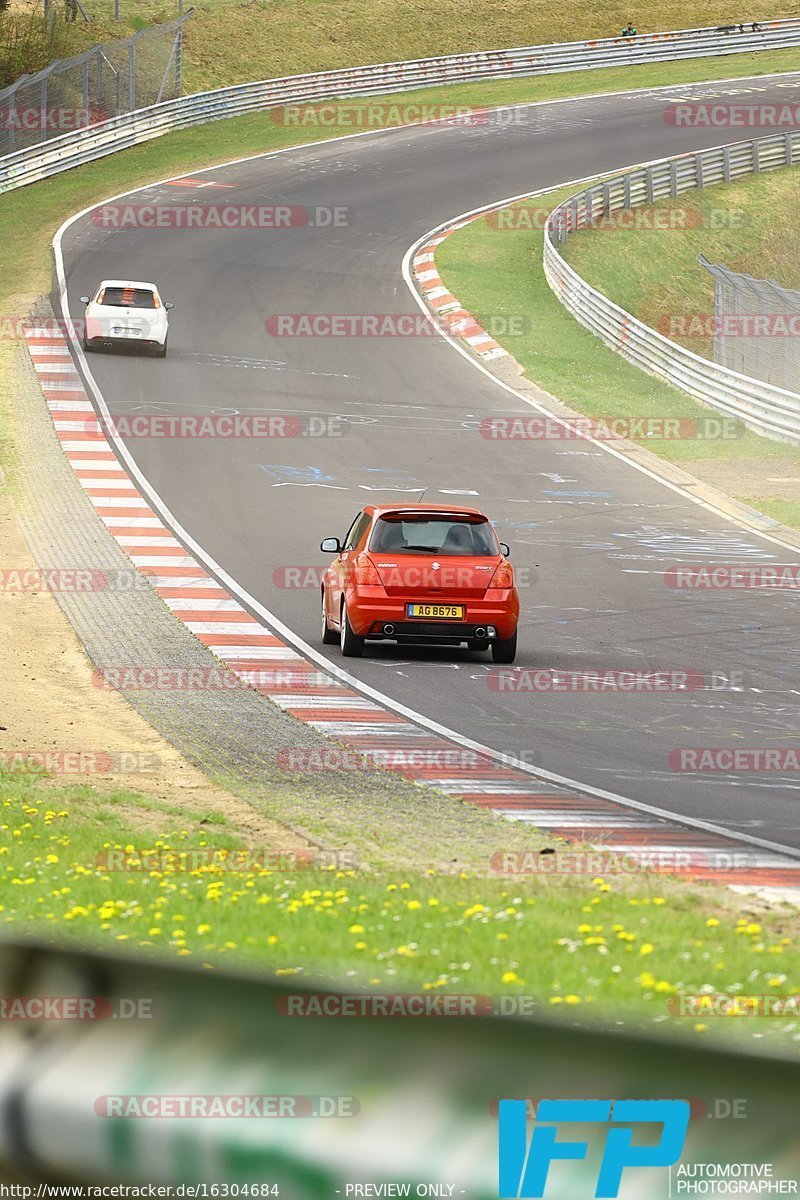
(749,226)
(228,42)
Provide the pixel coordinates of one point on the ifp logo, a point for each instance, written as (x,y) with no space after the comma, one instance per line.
(524,1169)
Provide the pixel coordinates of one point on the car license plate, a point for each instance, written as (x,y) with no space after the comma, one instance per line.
(440,612)
(125,331)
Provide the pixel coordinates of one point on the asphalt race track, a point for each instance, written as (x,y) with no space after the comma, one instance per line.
(591,535)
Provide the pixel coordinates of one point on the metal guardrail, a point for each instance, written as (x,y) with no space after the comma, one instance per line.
(421,1092)
(119,133)
(771,411)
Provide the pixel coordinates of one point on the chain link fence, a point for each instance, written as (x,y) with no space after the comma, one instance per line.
(105,81)
(756,326)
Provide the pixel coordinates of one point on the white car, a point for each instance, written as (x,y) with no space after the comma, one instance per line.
(123,312)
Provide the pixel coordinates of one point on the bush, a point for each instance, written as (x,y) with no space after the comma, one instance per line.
(26,46)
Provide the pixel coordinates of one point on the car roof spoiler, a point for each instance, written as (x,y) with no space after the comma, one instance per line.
(395,514)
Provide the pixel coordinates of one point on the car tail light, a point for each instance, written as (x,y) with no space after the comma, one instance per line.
(366,572)
(503,576)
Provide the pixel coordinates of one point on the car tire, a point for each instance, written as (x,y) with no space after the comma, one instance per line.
(504,650)
(161,352)
(351,645)
(329,636)
(87,349)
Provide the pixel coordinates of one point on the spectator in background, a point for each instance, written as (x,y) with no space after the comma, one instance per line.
(629,30)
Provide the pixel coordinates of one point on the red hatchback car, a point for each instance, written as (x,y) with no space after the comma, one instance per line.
(424,574)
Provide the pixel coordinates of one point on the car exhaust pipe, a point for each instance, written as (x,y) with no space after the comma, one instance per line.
(480,632)
(388,630)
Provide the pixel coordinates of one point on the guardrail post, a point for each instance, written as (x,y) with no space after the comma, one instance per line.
(85,120)
(179,58)
(649,185)
(756,158)
(626,192)
(606,199)
(132,76)
(12,118)
(43,107)
(726,164)
(788,142)
(699,163)
(673,179)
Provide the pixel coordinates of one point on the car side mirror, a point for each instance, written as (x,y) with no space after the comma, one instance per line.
(169,304)
(505,549)
(330,546)
(84,299)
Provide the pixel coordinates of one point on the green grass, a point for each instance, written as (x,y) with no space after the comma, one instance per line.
(618,948)
(498,271)
(229,42)
(747,225)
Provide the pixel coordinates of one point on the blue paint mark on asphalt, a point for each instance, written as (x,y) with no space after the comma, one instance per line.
(285,473)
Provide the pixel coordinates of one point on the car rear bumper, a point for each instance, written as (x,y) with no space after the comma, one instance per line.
(102,341)
(369,616)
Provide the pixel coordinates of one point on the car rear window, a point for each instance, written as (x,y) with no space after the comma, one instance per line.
(117,297)
(434,535)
